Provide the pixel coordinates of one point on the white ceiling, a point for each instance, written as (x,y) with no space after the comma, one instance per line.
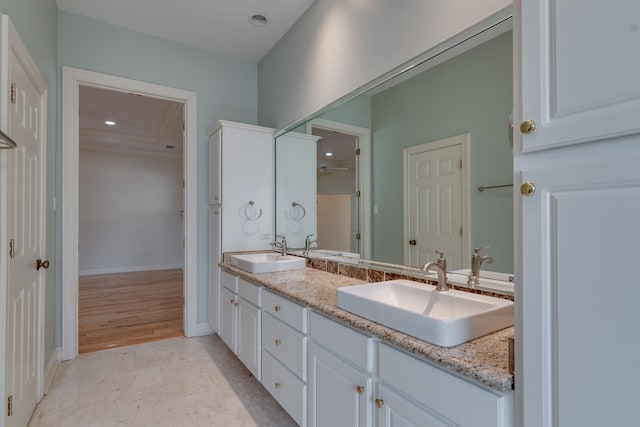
(143,123)
(218,26)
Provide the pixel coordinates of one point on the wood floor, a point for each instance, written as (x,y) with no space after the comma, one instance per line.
(121,309)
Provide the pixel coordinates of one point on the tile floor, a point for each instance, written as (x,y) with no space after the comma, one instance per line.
(173,382)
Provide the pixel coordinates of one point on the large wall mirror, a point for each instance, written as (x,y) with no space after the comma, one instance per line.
(422,161)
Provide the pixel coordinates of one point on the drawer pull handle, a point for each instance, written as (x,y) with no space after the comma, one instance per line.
(359,389)
(277,386)
(379,403)
(278,342)
(277,308)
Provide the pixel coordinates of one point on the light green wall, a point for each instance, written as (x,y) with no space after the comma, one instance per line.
(36,23)
(226,89)
(469,93)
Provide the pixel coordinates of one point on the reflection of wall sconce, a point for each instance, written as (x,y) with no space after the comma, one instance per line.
(296,212)
(250,213)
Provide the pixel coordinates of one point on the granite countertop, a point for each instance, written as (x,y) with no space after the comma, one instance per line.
(485,359)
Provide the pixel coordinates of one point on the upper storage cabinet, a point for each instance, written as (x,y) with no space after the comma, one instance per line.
(241,184)
(579,71)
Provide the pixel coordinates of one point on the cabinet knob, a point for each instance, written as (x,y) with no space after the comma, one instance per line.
(277,385)
(235,304)
(527,127)
(412,242)
(277,308)
(379,403)
(278,342)
(527,189)
(359,389)
(231,301)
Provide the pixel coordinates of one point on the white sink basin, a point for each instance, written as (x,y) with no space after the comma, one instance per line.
(267,262)
(445,319)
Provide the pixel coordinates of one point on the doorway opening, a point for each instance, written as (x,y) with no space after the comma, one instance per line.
(73,81)
(343,186)
(130,212)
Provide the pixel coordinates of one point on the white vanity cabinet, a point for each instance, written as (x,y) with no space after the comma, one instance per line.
(240,198)
(339,375)
(284,353)
(422,394)
(240,320)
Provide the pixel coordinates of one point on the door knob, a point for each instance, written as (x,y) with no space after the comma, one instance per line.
(412,242)
(527,189)
(527,127)
(42,264)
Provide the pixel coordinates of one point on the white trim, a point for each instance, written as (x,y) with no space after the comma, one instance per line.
(72,78)
(203,329)
(128,269)
(51,368)
(463,140)
(364,174)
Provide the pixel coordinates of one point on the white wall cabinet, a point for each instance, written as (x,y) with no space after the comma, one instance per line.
(240,197)
(576,78)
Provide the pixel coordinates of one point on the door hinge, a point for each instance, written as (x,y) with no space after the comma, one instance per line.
(183,303)
(12,248)
(460,163)
(460,231)
(183,243)
(357,236)
(14,95)
(357,151)
(10,406)
(358,193)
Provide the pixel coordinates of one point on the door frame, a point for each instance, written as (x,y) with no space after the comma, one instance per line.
(463,140)
(72,79)
(364,174)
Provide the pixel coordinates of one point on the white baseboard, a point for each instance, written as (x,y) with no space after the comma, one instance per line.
(128,269)
(50,368)
(203,329)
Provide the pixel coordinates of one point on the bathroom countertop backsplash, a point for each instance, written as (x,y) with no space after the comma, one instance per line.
(485,359)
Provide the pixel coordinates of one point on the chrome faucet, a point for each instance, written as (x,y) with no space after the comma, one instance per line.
(476,262)
(281,244)
(440,267)
(308,242)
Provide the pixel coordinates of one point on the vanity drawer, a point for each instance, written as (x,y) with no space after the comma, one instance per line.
(425,383)
(250,292)
(285,344)
(285,387)
(287,311)
(229,281)
(351,345)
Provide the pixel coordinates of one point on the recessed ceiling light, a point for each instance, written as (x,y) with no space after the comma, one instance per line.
(258,20)
(328,154)
(109,123)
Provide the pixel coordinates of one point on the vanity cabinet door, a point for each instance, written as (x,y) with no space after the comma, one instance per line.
(393,410)
(249,336)
(338,394)
(227,327)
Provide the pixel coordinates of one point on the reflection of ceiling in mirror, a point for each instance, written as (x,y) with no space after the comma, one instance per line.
(341,147)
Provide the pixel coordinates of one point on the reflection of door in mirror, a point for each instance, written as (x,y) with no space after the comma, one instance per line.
(435,210)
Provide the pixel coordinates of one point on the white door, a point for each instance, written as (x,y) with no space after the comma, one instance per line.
(26,219)
(434,203)
(338,393)
(580,88)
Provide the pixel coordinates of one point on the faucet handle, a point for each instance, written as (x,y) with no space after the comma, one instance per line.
(476,250)
(440,254)
(310,235)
